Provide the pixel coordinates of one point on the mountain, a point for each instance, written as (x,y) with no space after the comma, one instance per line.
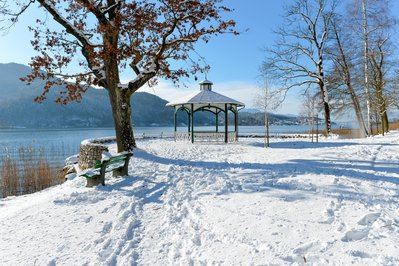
(18,108)
(258,119)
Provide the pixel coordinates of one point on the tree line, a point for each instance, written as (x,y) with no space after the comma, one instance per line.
(342,54)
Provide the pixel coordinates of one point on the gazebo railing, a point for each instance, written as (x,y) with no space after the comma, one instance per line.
(182,136)
(205,136)
(232,136)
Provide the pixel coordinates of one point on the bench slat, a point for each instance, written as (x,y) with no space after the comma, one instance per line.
(119,161)
(116,158)
(113,166)
(91,173)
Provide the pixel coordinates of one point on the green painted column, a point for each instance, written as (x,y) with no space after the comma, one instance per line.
(236,122)
(192,123)
(175,122)
(226,124)
(217,121)
(189,121)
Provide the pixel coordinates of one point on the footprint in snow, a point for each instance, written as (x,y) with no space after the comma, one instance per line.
(88,219)
(106,228)
(369,218)
(360,254)
(330,216)
(330,212)
(301,249)
(354,235)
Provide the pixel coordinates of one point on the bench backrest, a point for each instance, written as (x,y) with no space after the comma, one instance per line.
(115,162)
(112,163)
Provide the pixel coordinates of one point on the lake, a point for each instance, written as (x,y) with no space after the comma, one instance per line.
(58,144)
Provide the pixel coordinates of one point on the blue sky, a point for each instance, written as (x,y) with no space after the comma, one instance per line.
(234,60)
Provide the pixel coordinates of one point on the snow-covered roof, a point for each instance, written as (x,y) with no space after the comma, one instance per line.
(206,82)
(205,98)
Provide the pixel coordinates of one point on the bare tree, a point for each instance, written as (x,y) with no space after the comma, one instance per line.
(308,111)
(366,65)
(267,99)
(298,58)
(101,38)
(370,19)
(377,63)
(342,72)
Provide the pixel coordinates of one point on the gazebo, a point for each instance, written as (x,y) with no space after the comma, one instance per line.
(210,101)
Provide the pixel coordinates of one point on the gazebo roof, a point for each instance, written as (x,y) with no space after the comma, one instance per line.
(205,97)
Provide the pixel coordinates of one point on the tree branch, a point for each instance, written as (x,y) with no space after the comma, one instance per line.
(87,46)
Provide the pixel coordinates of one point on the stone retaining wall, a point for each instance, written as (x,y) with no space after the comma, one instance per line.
(91,150)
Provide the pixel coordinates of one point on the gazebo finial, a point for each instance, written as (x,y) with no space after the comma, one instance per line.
(206,85)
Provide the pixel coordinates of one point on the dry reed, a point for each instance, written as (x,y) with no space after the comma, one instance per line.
(9,174)
(355,133)
(28,172)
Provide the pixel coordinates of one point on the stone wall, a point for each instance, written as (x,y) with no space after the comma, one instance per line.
(91,150)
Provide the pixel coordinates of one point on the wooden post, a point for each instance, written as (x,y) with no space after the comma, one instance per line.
(102,173)
(125,170)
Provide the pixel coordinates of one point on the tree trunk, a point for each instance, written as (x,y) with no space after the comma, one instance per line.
(382,110)
(346,74)
(358,111)
(267,143)
(377,67)
(119,97)
(384,122)
(121,111)
(327,117)
(366,68)
(326,107)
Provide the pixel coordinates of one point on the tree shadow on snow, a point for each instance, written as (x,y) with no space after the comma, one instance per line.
(271,176)
(253,178)
(301,144)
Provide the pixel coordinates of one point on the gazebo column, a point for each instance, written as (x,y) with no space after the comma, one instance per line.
(192,123)
(226,124)
(217,121)
(175,121)
(236,122)
(188,122)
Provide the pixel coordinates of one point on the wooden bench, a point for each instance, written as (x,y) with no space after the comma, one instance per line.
(118,164)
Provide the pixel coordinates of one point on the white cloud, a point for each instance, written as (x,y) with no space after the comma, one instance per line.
(242,91)
(239,90)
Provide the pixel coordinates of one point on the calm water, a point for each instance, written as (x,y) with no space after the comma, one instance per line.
(58,144)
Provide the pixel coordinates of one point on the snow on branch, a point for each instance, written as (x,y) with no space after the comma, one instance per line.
(78,34)
(108,9)
(97,11)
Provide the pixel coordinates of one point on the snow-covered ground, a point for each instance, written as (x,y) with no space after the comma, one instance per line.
(330,203)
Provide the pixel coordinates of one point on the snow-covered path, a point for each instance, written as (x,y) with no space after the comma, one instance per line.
(335,202)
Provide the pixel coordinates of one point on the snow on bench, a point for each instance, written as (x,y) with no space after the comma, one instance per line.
(118,164)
